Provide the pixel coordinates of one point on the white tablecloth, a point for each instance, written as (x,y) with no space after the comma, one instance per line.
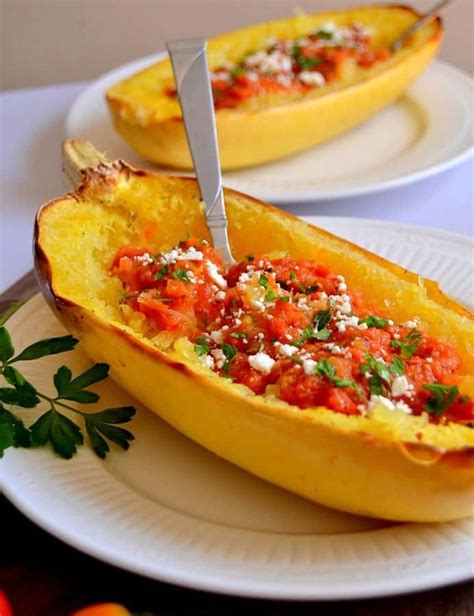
(31,130)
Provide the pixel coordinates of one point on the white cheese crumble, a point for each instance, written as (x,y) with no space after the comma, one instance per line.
(309,365)
(219,357)
(312,78)
(261,362)
(399,386)
(215,275)
(288,350)
(217,337)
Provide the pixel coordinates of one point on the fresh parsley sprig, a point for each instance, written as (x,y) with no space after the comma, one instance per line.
(442,396)
(409,345)
(53,427)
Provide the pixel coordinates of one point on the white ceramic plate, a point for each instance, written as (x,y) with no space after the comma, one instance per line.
(428,131)
(172,511)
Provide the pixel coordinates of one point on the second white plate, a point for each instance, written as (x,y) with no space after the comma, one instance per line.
(428,131)
(171,510)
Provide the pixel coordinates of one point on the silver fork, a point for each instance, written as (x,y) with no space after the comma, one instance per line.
(419,23)
(193,84)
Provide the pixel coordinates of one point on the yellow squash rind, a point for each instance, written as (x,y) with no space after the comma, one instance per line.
(370,466)
(268,129)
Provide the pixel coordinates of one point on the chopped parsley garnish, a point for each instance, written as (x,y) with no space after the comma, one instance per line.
(442,396)
(263,281)
(379,374)
(270,296)
(230,351)
(325,34)
(201,346)
(305,63)
(294,278)
(239,335)
(250,258)
(311,289)
(306,334)
(321,319)
(325,369)
(409,345)
(373,321)
(397,366)
(161,273)
(181,274)
(236,71)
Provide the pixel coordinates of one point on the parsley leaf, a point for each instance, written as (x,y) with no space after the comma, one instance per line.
(373,321)
(321,319)
(263,281)
(306,334)
(161,273)
(59,431)
(100,425)
(230,351)
(409,345)
(18,397)
(397,366)
(379,374)
(181,274)
(236,71)
(21,434)
(239,335)
(325,369)
(295,279)
(270,296)
(73,389)
(6,347)
(201,346)
(49,346)
(442,396)
(7,436)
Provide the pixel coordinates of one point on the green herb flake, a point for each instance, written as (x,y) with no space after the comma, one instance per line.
(442,396)
(161,273)
(201,346)
(230,351)
(374,321)
(409,345)
(181,274)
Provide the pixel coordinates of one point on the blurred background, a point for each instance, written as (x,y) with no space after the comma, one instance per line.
(55,41)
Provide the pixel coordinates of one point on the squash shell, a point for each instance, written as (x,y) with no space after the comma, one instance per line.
(323,456)
(271,129)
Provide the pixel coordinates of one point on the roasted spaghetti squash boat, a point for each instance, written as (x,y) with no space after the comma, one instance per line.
(366,409)
(280,87)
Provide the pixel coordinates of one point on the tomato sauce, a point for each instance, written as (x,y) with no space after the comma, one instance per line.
(293,325)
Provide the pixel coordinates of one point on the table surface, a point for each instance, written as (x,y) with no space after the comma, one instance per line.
(44,577)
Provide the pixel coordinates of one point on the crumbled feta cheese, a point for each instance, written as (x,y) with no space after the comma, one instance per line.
(399,386)
(287,349)
(180,255)
(401,406)
(209,361)
(217,337)
(261,362)
(220,295)
(219,357)
(309,365)
(429,360)
(214,274)
(411,324)
(312,78)
(238,321)
(258,305)
(144,258)
(385,402)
